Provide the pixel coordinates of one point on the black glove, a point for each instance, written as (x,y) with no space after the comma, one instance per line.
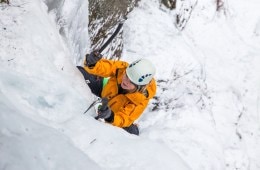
(104,113)
(93,58)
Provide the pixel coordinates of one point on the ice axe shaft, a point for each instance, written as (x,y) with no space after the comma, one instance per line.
(93,104)
(112,37)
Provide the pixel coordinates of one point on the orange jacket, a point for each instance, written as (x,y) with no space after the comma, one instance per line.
(126,107)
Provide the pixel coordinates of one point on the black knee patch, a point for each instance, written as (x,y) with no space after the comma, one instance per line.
(94,82)
(133,129)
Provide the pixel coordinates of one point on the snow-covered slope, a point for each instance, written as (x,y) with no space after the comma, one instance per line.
(208,99)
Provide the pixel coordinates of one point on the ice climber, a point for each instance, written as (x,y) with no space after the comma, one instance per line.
(128,89)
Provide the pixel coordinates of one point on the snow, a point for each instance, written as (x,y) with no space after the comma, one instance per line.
(206,111)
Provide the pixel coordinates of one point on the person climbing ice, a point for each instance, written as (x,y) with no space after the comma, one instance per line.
(126,87)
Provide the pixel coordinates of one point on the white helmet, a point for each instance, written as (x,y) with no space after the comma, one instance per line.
(140,72)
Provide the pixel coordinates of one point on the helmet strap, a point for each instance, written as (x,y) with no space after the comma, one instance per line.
(141,88)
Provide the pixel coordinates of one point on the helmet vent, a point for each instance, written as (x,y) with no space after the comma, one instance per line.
(134,63)
(143,77)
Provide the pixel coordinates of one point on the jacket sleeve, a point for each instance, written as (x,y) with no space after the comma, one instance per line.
(128,114)
(105,68)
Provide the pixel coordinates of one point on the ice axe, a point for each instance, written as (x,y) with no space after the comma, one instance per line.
(112,37)
(103,107)
(93,104)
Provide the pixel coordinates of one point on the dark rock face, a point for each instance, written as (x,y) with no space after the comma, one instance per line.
(171,4)
(4,1)
(104,16)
